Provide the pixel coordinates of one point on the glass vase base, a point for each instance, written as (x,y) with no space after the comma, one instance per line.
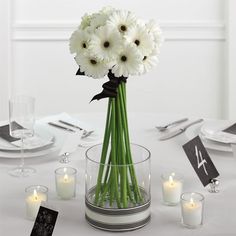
(21,172)
(117,219)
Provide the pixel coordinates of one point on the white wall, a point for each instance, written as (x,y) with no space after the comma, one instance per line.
(190,78)
(5,52)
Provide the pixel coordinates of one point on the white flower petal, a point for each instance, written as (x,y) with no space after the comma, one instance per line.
(122,20)
(156,31)
(79,41)
(98,20)
(85,22)
(91,66)
(106,43)
(139,37)
(107,10)
(149,61)
(128,62)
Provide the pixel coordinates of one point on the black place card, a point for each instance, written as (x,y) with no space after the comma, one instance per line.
(231,129)
(200,160)
(45,222)
(5,134)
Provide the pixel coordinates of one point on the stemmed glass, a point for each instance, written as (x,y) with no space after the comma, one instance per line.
(21,118)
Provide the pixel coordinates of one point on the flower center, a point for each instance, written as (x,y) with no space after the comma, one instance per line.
(144,58)
(93,62)
(84,45)
(123,58)
(106,44)
(137,42)
(123,28)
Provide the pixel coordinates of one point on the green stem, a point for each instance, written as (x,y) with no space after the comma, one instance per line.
(123,167)
(115,189)
(104,153)
(127,141)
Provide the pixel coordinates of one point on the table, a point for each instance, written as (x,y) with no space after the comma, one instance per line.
(220,209)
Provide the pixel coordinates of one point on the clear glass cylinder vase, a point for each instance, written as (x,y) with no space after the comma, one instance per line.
(106,214)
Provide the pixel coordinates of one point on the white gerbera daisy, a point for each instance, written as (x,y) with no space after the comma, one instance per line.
(155,30)
(106,43)
(85,22)
(91,66)
(122,20)
(139,36)
(128,62)
(107,10)
(98,20)
(149,62)
(79,41)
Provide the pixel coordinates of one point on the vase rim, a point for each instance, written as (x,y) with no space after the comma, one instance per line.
(120,165)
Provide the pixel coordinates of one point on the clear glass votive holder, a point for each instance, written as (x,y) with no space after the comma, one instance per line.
(192,207)
(35,195)
(66,182)
(172,185)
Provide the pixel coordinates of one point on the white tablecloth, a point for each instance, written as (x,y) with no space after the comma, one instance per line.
(220,208)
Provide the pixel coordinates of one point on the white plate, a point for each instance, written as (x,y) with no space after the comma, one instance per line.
(213,130)
(41,131)
(209,144)
(43,152)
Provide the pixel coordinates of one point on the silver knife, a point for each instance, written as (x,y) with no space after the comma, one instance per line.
(179,131)
(72,125)
(61,127)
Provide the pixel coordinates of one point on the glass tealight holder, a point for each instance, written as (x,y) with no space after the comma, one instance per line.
(192,207)
(172,185)
(35,196)
(66,182)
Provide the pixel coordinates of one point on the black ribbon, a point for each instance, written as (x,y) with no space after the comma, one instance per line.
(110,87)
(79,72)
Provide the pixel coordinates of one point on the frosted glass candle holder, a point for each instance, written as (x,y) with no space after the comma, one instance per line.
(35,195)
(172,185)
(192,206)
(66,182)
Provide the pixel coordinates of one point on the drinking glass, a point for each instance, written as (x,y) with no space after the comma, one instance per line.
(21,120)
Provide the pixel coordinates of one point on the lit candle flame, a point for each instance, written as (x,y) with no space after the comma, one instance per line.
(35,195)
(192,202)
(173,174)
(65,169)
(171,181)
(66,178)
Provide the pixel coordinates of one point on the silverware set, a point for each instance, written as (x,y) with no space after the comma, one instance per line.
(63,127)
(176,132)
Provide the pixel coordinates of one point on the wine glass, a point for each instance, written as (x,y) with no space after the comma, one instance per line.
(21,118)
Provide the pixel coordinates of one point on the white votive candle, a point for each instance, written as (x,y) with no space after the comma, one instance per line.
(171,189)
(35,195)
(66,182)
(192,209)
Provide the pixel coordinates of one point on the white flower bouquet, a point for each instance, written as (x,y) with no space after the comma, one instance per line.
(115,43)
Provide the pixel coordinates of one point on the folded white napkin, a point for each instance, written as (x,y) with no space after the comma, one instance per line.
(67,118)
(92,139)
